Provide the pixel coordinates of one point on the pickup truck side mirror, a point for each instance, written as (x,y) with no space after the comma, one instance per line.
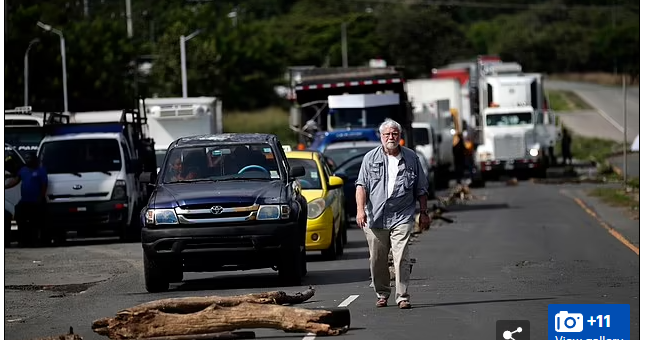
(148,177)
(296,171)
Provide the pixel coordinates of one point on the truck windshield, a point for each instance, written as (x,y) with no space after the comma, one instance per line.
(78,156)
(365,117)
(509,119)
(221,162)
(420,136)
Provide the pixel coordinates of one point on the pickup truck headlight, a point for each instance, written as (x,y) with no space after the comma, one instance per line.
(119,191)
(161,216)
(273,212)
(315,208)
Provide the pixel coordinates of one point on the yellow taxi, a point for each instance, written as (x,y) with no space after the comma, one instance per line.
(326,218)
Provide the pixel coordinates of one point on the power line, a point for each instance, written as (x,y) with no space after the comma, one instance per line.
(488,5)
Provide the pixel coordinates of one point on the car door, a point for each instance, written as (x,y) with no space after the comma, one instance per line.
(12,163)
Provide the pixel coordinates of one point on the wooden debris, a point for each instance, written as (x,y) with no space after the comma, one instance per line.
(143,324)
(435,213)
(459,194)
(216,317)
(195,304)
(512,182)
(223,335)
(68,336)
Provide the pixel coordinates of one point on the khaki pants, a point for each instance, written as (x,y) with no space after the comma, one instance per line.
(380,242)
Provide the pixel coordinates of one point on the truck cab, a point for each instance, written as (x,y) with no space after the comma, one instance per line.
(511,143)
(93,171)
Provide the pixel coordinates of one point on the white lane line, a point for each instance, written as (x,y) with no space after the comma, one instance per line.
(601,112)
(348,301)
(344,303)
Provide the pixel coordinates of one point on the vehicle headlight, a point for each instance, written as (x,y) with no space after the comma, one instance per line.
(485,156)
(119,191)
(161,216)
(273,212)
(315,208)
(533,152)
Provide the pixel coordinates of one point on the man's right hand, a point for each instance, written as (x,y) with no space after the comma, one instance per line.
(361,218)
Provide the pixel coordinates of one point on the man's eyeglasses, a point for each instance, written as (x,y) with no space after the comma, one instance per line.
(394,134)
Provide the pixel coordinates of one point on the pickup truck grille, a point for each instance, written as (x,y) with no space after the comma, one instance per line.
(509,147)
(216,213)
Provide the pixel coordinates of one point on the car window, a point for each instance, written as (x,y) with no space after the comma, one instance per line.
(339,156)
(221,162)
(77,156)
(313,177)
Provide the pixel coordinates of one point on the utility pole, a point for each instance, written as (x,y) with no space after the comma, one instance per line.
(86,8)
(129,18)
(182,55)
(26,69)
(344,44)
(623,80)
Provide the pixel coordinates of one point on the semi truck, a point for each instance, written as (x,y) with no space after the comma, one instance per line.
(329,99)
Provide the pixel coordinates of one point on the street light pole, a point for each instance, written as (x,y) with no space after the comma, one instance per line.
(182,51)
(623,80)
(49,28)
(26,68)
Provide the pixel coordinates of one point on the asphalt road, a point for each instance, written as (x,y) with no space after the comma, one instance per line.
(509,255)
(608,102)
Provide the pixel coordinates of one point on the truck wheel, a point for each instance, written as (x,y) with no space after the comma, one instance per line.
(154,277)
(291,266)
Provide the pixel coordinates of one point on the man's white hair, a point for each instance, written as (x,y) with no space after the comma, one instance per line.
(389,123)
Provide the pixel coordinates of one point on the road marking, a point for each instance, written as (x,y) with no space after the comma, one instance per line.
(601,112)
(605,225)
(344,303)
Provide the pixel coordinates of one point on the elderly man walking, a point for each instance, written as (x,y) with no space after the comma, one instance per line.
(390,182)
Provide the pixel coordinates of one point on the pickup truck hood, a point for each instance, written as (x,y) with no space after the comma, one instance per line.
(239,192)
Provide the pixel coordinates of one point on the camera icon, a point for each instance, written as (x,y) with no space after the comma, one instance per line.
(569,322)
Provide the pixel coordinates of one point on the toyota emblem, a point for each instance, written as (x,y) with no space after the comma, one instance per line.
(217,210)
(77,187)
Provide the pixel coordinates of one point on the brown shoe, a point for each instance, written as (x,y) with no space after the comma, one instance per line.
(382,302)
(404,305)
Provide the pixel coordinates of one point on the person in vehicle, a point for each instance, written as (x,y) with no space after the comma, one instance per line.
(177,171)
(33,191)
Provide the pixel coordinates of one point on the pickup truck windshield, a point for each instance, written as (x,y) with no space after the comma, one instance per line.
(507,119)
(78,156)
(225,162)
(366,117)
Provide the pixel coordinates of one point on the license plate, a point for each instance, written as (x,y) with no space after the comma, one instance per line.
(509,167)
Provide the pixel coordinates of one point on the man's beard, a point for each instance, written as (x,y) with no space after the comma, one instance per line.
(391,145)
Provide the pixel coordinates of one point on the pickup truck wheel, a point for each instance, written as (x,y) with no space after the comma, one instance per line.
(154,277)
(291,266)
(303,262)
(345,226)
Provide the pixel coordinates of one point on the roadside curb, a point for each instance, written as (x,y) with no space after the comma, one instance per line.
(612,231)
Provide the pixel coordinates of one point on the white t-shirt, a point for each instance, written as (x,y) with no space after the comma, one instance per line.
(393,169)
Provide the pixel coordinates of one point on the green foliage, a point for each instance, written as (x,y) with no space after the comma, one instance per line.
(243,62)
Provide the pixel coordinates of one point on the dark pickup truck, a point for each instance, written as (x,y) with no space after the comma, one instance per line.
(224,202)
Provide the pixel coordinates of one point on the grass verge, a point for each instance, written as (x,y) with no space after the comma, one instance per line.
(619,197)
(563,100)
(270,120)
(594,77)
(591,149)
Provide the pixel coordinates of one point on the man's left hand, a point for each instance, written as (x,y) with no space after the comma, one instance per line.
(424,221)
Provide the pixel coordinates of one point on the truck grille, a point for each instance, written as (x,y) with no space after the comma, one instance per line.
(216,213)
(509,147)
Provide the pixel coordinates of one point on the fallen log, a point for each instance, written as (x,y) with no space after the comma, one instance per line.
(150,323)
(68,336)
(224,335)
(194,304)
